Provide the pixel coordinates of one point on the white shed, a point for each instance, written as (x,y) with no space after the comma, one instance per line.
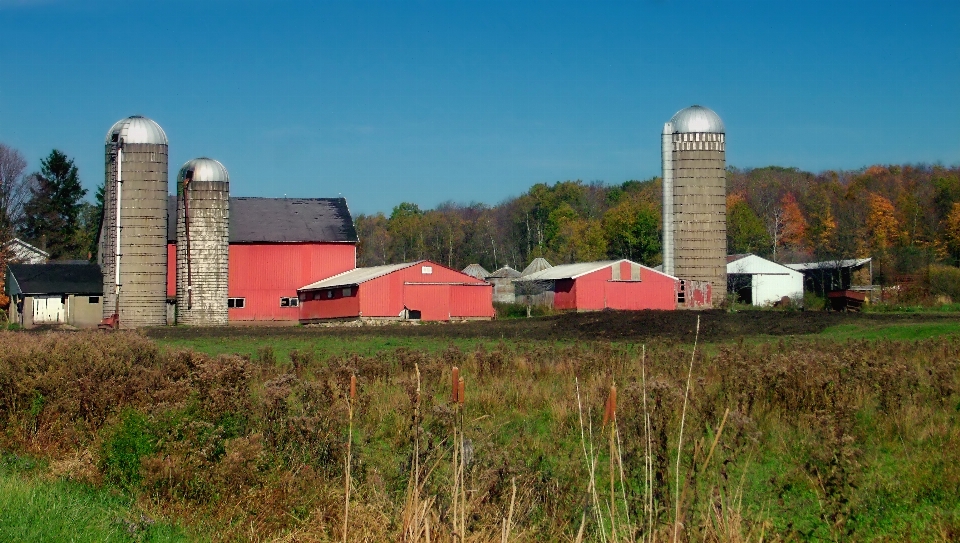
(761,281)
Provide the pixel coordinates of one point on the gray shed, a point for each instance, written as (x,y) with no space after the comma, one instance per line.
(502,281)
(55,293)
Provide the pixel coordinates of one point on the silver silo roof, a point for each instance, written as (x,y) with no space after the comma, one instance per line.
(204,169)
(697,119)
(137,129)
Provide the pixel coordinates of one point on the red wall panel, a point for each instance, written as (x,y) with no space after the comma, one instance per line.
(338,307)
(263,273)
(565,294)
(592,289)
(597,290)
(471,301)
(433,301)
(171,270)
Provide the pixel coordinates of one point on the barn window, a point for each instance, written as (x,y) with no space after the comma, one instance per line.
(348,291)
(93,300)
(286,301)
(329,294)
(426,270)
(236,303)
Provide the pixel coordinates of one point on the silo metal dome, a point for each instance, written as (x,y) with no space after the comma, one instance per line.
(697,119)
(137,129)
(204,169)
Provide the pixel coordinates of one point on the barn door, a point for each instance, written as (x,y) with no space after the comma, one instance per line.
(47,310)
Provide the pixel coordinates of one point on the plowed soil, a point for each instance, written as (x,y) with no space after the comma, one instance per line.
(629,326)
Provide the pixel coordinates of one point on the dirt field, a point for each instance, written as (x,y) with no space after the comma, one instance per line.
(628,326)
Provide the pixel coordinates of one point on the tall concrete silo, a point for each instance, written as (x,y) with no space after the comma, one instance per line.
(203,217)
(133,240)
(695,198)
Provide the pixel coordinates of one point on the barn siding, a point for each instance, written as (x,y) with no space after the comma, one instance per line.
(468,301)
(433,301)
(437,295)
(338,307)
(262,273)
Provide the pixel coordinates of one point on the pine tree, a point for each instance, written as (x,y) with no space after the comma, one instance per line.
(52,214)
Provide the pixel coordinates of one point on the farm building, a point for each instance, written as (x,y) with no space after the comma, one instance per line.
(24,253)
(503,287)
(758,281)
(421,290)
(476,270)
(835,275)
(532,293)
(612,284)
(55,293)
(276,246)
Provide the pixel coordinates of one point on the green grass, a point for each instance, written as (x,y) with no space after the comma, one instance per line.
(34,509)
(322,346)
(900,331)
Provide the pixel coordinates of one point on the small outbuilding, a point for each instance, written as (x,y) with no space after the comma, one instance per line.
(503,287)
(22,252)
(476,270)
(421,290)
(836,275)
(611,284)
(757,281)
(55,293)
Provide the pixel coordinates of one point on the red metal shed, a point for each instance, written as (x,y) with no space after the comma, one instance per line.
(611,284)
(421,290)
(276,246)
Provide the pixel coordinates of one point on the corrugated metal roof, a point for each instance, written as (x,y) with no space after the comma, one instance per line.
(277,220)
(830,264)
(58,278)
(204,169)
(573,271)
(505,272)
(358,276)
(568,271)
(476,270)
(539,264)
(137,129)
(697,119)
(751,264)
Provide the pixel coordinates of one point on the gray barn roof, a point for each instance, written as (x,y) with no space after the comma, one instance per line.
(55,278)
(278,220)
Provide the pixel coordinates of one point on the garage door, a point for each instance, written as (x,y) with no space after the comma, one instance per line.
(47,310)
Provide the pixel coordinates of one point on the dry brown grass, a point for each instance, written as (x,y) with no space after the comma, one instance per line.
(255,449)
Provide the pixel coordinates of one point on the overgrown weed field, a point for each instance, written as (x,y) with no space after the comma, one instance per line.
(241,434)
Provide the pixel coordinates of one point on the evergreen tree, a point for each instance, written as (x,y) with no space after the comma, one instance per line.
(52,214)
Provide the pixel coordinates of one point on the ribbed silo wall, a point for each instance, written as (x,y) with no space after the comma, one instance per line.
(143,235)
(208,205)
(700,209)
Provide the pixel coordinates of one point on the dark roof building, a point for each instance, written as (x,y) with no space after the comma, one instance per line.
(54,278)
(281,220)
(276,246)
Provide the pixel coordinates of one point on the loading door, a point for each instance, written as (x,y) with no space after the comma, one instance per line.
(47,310)
(431,300)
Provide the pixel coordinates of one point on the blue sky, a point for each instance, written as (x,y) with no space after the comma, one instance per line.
(383,102)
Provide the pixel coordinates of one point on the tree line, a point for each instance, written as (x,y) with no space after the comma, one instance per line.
(905,217)
(47,208)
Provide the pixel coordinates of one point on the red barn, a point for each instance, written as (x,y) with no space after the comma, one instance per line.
(612,284)
(276,246)
(422,290)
